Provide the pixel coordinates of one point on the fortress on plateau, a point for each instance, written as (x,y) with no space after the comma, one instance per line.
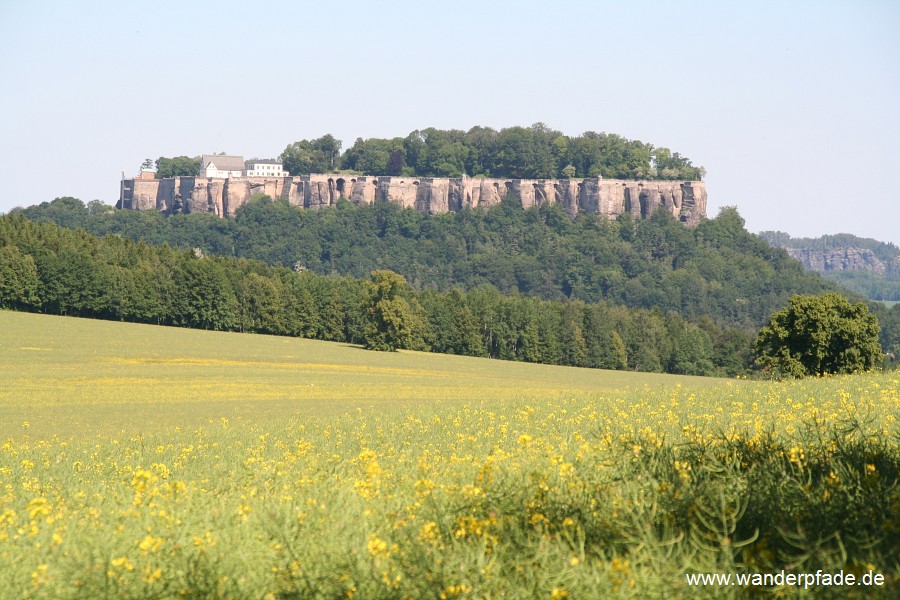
(222,196)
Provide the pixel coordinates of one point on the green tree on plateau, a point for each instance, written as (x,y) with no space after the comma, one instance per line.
(179,166)
(312,156)
(817,335)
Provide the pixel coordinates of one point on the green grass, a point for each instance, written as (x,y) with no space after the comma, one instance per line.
(66,375)
(147,462)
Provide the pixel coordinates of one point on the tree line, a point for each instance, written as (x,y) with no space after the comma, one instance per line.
(536,152)
(886,251)
(716,271)
(54,270)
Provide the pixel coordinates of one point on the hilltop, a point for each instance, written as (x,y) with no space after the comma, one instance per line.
(435,171)
(535,152)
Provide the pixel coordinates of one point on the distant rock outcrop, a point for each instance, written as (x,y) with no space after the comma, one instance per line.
(840,259)
(864,266)
(686,200)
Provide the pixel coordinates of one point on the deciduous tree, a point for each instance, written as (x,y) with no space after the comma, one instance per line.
(816,335)
(393,321)
(312,156)
(179,166)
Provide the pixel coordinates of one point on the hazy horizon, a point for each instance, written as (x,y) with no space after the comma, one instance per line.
(790,107)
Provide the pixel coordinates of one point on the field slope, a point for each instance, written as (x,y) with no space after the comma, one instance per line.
(65,375)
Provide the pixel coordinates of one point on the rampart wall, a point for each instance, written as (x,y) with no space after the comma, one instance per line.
(686,200)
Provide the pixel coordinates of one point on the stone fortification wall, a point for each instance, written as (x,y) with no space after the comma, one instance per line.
(686,200)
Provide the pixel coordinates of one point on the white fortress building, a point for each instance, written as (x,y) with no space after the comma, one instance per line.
(264,168)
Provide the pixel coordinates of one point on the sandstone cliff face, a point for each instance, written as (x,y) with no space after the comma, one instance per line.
(842,259)
(222,197)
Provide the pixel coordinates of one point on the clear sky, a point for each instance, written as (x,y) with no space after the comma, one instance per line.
(792,106)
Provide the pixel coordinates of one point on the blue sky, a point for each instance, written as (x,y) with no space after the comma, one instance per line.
(791,106)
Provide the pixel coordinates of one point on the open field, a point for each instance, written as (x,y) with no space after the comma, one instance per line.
(143,462)
(70,376)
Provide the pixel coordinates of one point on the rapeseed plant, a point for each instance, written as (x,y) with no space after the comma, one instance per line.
(619,493)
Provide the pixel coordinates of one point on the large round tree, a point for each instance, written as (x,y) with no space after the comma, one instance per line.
(816,335)
(394,322)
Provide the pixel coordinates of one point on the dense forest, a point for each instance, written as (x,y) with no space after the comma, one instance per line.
(867,284)
(717,275)
(535,152)
(55,270)
(717,269)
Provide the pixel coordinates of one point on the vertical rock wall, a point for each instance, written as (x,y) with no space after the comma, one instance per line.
(223,197)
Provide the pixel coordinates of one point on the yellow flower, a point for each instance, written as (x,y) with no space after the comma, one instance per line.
(204,542)
(377,546)
(39,507)
(8,515)
(151,574)
(429,531)
(454,591)
(38,575)
(123,563)
(150,544)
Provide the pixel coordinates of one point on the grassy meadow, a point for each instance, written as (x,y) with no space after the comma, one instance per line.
(150,462)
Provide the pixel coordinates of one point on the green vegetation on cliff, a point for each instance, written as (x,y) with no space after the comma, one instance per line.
(535,152)
(179,166)
(862,265)
(884,251)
